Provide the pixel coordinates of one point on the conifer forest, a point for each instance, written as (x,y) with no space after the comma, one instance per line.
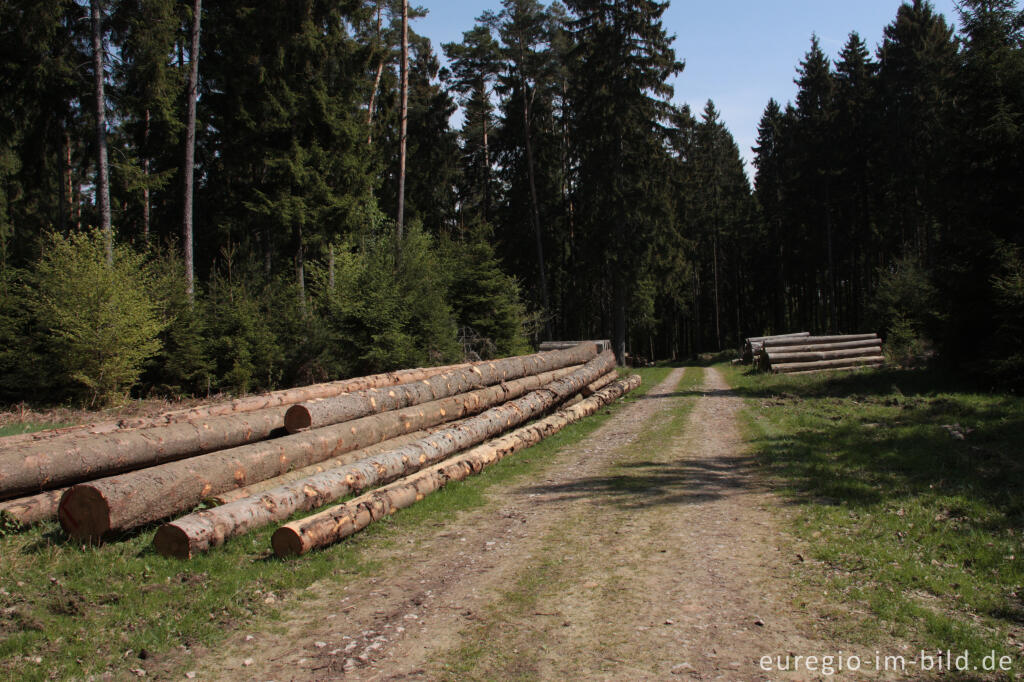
(239,196)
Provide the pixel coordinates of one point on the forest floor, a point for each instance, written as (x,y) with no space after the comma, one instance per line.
(651,549)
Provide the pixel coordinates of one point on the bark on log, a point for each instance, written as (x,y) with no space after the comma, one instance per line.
(257,488)
(602,345)
(202,530)
(755,343)
(337,523)
(90,511)
(60,462)
(852,368)
(35,508)
(318,413)
(326,465)
(815,340)
(817,347)
(811,355)
(827,364)
(251,403)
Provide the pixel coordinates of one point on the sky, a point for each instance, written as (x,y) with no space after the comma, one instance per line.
(738,53)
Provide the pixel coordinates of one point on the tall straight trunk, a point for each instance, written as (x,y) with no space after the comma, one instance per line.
(190,151)
(300,267)
(833,303)
(619,317)
(371,109)
(405,120)
(102,169)
(145,183)
(330,267)
(535,203)
(718,326)
(67,192)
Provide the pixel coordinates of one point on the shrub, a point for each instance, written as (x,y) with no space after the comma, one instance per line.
(905,308)
(101,320)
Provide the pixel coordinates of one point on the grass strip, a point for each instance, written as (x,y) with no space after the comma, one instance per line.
(908,489)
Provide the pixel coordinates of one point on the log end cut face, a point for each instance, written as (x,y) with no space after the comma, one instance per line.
(171,541)
(286,542)
(297,418)
(84,513)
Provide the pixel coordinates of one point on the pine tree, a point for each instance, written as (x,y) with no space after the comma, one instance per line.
(620,96)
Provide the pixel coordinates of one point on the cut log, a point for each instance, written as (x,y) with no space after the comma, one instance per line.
(326,465)
(867,365)
(864,343)
(602,345)
(34,509)
(755,343)
(247,404)
(786,368)
(324,412)
(58,463)
(199,531)
(815,340)
(90,511)
(775,357)
(257,488)
(339,522)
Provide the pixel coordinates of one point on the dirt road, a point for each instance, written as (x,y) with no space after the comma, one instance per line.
(649,550)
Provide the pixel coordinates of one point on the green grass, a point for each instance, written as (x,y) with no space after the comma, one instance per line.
(80,610)
(906,517)
(26,427)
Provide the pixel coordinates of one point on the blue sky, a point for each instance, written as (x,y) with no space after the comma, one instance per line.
(738,53)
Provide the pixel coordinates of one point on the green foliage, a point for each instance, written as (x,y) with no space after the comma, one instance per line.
(240,340)
(483,298)
(182,366)
(386,310)
(102,322)
(905,307)
(1008,291)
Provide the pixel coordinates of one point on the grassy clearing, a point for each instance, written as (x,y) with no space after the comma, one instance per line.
(496,646)
(909,491)
(73,611)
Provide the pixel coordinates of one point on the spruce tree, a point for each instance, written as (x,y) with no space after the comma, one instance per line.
(620,96)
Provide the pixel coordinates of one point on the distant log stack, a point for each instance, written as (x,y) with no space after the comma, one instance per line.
(754,344)
(602,345)
(806,354)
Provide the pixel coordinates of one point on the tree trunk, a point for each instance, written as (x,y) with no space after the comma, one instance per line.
(33,509)
(319,413)
(202,530)
(405,121)
(817,340)
(190,150)
(534,201)
(145,183)
(102,168)
(868,361)
(255,489)
(33,462)
(845,345)
(248,404)
(376,81)
(337,523)
(314,486)
(93,510)
(788,356)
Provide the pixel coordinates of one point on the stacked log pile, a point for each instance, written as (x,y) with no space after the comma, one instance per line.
(602,344)
(290,451)
(803,355)
(753,345)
